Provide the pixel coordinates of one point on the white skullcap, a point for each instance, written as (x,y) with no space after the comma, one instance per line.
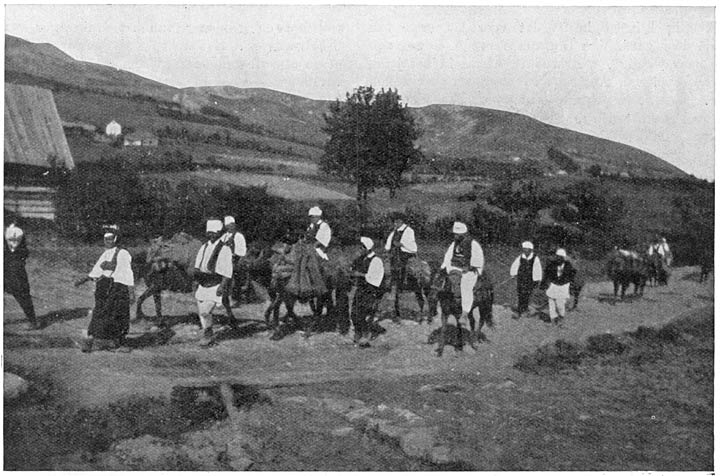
(459,227)
(561,252)
(214,225)
(315,212)
(13,233)
(527,244)
(229,219)
(367,242)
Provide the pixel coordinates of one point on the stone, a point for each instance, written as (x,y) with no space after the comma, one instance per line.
(389,430)
(13,386)
(237,454)
(506,384)
(148,453)
(407,415)
(441,455)
(359,414)
(342,405)
(418,442)
(342,431)
(203,449)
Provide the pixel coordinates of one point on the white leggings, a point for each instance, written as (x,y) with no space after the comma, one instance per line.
(205,309)
(467,283)
(556,307)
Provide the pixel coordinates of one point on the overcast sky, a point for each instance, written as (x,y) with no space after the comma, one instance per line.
(639,75)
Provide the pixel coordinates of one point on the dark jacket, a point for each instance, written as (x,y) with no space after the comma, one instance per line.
(551,273)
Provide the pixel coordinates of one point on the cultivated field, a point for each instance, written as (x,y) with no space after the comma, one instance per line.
(637,401)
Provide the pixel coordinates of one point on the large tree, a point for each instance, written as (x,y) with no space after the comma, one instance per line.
(371,141)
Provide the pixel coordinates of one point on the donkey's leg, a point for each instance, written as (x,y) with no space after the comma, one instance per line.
(441,337)
(459,344)
(157,299)
(139,314)
(471,321)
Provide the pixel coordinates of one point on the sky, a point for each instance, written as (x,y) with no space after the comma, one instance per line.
(643,76)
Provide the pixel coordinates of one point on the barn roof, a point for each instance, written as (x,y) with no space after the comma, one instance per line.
(33,131)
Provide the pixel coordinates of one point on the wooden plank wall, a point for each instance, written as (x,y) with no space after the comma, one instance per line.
(30,202)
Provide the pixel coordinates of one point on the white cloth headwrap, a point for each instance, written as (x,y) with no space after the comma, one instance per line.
(459,227)
(214,226)
(315,212)
(229,219)
(527,244)
(561,252)
(13,233)
(367,242)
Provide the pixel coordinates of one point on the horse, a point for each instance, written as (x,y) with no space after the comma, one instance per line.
(445,290)
(417,279)
(331,295)
(658,271)
(168,266)
(625,268)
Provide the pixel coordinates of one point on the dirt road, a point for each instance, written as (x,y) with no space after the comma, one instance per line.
(250,357)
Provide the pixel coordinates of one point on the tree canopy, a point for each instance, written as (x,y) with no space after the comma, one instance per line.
(371,143)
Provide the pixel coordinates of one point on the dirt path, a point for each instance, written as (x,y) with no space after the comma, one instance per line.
(102,377)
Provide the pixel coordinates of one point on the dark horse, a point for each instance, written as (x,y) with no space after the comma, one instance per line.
(445,290)
(658,272)
(168,266)
(625,268)
(333,298)
(417,280)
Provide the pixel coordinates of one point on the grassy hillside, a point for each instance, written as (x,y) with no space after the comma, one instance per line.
(470,134)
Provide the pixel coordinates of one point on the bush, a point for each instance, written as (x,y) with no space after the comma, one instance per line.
(97,194)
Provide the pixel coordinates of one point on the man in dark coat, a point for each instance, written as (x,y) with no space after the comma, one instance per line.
(528,270)
(16,279)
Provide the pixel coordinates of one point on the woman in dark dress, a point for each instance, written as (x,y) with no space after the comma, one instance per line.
(15,282)
(114,290)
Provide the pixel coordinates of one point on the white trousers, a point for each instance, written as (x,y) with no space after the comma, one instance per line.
(205,309)
(556,307)
(467,283)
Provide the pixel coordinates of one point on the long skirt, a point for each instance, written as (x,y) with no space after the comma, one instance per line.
(111,316)
(16,284)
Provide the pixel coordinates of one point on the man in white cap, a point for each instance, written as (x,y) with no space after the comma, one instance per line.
(15,276)
(558,276)
(318,233)
(236,242)
(528,270)
(402,246)
(465,256)
(213,272)
(369,270)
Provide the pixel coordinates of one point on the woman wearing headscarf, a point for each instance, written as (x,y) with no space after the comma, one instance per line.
(114,290)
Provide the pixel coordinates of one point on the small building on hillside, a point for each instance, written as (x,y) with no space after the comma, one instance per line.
(141,139)
(36,150)
(113,129)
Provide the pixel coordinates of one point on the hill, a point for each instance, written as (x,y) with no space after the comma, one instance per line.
(292,125)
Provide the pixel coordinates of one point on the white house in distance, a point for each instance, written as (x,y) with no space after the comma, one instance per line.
(113,129)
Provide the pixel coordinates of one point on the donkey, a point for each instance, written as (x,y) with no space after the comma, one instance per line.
(445,290)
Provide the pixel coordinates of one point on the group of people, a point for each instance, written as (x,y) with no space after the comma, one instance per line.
(216,266)
(556,280)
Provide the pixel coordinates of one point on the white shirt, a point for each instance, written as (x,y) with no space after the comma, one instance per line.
(660,250)
(240,246)
(123,271)
(376,271)
(477,260)
(407,240)
(536,269)
(323,235)
(223,266)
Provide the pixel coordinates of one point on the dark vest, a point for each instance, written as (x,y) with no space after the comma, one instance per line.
(211,278)
(461,253)
(525,269)
(230,243)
